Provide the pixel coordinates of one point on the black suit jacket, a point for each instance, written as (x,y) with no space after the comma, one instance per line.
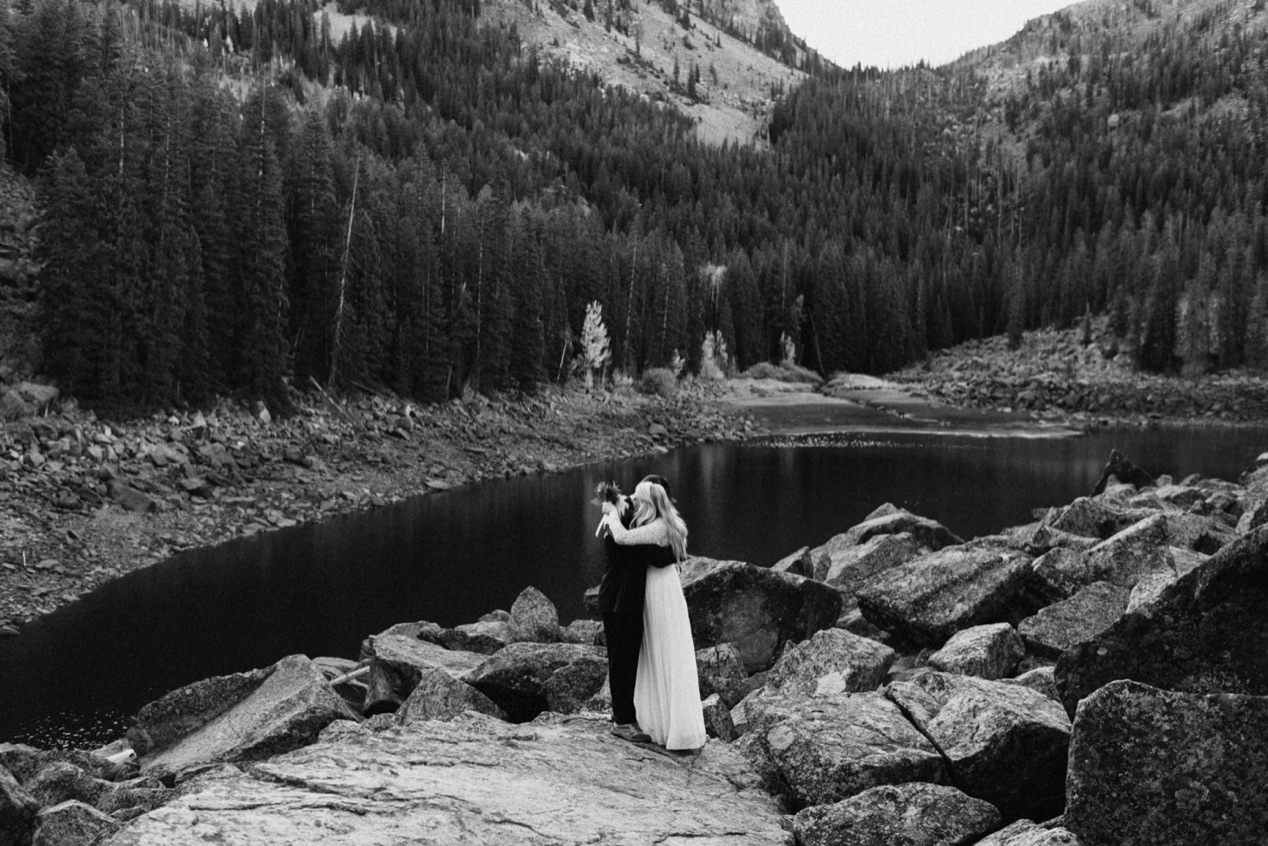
(625,576)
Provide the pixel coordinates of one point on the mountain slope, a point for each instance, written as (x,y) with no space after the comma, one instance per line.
(726,84)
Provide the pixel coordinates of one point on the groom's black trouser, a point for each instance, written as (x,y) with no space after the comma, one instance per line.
(624,636)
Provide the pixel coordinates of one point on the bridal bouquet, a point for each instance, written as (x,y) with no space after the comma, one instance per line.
(606,492)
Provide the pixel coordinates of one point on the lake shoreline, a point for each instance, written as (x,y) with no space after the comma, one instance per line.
(83,502)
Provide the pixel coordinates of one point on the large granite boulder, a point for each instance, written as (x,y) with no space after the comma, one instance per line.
(717,719)
(846,564)
(914,814)
(534,617)
(397,661)
(1060,626)
(62,781)
(1093,518)
(525,679)
(1040,680)
(474,780)
(1255,513)
(1056,575)
(484,637)
(133,797)
(184,711)
(1206,633)
(287,709)
(797,563)
(989,652)
(929,599)
(439,696)
(1151,586)
(1141,548)
(890,520)
(1004,743)
(1027,833)
(17,811)
(1198,532)
(1039,538)
(24,762)
(720,670)
(1179,496)
(817,750)
(72,823)
(756,610)
(1168,769)
(25,400)
(833,661)
(582,631)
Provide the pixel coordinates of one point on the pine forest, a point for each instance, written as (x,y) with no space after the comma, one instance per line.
(234,202)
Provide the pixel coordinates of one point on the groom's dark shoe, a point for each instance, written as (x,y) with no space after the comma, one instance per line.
(632,733)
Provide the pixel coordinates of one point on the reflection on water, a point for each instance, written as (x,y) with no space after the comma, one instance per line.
(72,677)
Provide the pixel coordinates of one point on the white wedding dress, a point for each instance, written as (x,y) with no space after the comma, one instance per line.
(666,689)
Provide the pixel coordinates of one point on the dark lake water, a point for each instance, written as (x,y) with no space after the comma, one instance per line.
(74,677)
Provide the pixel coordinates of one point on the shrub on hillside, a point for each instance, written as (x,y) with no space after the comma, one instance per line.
(783,372)
(659,381)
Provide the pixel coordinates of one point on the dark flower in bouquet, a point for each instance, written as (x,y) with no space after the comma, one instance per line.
(606,492)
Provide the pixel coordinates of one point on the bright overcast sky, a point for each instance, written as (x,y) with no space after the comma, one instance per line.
(896,33)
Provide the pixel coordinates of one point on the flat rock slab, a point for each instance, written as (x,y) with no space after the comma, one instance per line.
(824,749)
(289,709)
(1083,616)
(1168,769)
(929,599)
(846,564)
(396,650)
(472,781)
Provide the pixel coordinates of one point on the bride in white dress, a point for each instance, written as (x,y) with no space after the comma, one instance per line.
(667,691)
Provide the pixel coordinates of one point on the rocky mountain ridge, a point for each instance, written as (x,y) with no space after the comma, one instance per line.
(698,62)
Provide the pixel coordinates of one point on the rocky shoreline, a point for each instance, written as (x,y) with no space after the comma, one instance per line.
(1094,677)
(1060,376)
(84,500)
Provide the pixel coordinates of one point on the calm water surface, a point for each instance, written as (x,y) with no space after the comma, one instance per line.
(74,677)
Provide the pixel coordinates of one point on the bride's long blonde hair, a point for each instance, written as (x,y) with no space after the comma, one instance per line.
(652,501)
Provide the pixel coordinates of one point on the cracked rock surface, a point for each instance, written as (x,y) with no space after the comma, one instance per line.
(559,780)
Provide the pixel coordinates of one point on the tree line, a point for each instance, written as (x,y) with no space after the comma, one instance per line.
(236,202)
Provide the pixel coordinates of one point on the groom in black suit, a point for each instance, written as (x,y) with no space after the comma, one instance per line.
(621,606)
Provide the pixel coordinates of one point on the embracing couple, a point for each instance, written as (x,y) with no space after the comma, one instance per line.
(651,658)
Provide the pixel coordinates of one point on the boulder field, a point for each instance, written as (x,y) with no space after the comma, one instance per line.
(1097,677)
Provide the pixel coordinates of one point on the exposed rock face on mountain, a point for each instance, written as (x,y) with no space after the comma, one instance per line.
(704,63)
